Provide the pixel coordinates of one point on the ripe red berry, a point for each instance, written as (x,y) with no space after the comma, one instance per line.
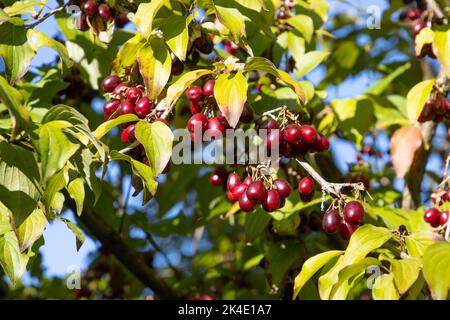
(177,68)
(216,179)
(309,134)
(346,230)
(353,212)
(269,124)
(194,93)
(82,23)
(271,200)
(418,26)
(238,191)
(195,107)
(197,120)
(248,114)
(127,135)
(437,198)
(306,186)
(274,139)
(233,181)
(223,121)
(111,106)
(120,89)
(104,12)
(110,83)
(283,14)
(143,107)
(89,8)
(331,221)
(413,13)
(443,218)
(256,191)
(283,187)
(292,133)
(322,143)
(215,128)
(432,216)
(245,203)
(121,20)
(126,107)
(133,94)
(208,88)
(248,180)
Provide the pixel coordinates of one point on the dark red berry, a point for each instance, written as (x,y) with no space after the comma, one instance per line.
(82,23)
(127,135)
(309,134)
(248,180)
(307,197)
(256,191)
(208,88)
(331,221)
(143,107)
(177,68)
(248,114)
(443,218)
(121,20)
(432,216)
(353,212)
(346,230)
(274,139)
(322,143)
(133,94)
(104,12)
(110,83)
(126,107)
(195,107)
(413,13)
(245,203)
(271,200)
(269,124)
(292,133)
(111,106)
(283,14)
(197,120)
(89,8)
(283,187)
(233,181)
(238,191)
(215,128)
(223,121)
(216,179)
(120,89)
(418,26)
(194,93)
(306,186)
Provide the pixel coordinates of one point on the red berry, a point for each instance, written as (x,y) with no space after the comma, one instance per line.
(110,83)
(331,221)
(104,12)
(126,107)
(269,124)
(143,107)
(292,133)
(195,107)
(346,230)
(256,191)
(307,197)
(216,179)
(133,94)
(238,191)
(432,216)
(413,13)
(215,128)
(111,106)
(271,200)
(309,134)
(127,135)
(418,26)
(208,88)
(306,186)
(283,14)
(443,218)
(283,187)
(233,181)
(322,143)
(121,20)
(89,8)
(437,198)
(248,180)
(177,68)
(274,139)
(194,93)
(245,203)
(223,121)
(353,212)
(199,120)
(248,114)
(82,23)
(120,89)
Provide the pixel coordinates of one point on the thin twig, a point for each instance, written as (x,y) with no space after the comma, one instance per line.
(47,15)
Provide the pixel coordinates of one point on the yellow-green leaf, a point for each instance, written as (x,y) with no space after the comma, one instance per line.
(126,56)
(436,269)
(31,229)
(176,34)
(37,39)
(76,192)
(424,37)
(304,24)
(12,260)
(12,99)
(145,14)
(309,61)
(233,20)
(416,98)
(384,288)
(441,46)
(405,273)
(105,127)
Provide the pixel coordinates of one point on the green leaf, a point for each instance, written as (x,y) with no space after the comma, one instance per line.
(364,240)
(86,167)
(31,229)
(155,66)
(304,24)
(230,92)
(144,172)
(330,277)
(380,86)
(281,255)
(56,183)
(405,273)
(233,20)
(12,260)
(175,30)
(19,181)
(106,126)
(310,267)
(76,192)
(22,7)
(416,98)
(255,224)
(12,99)
(5,216)
(384,288)
(79,236)
(126,56)
(309,61)
(417,242)
(157,139)
(436,266)
(54,147)
(145,14)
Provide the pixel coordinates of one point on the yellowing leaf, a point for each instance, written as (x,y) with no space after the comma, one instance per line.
(12,260)
(12,100)
(105,127)
(233,20)
(405,273)
(424,37)
(31,229)
(309,61)
(230,92)
(436,269)
(37,39)
(416,98)
(304,24)
(76,192)
(441,46)
(384,288)
(126,56)
(145,14)
(176,34)
(404,143)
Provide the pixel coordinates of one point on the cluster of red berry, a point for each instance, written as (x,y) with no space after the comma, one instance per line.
(98,14)
(435,110)
(434,216)
(353,215)
(284,12)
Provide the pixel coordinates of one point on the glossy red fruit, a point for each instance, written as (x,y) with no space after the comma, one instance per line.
(274,139)
(248,114)
(238,191)
(432,216)
(216,179)
(121,20)
(215,128)
(322,143)
(126,107)
(195,107)
(245,203)
(285,148)
(309,134)
(133,94)
(271,200)
(413,13)
(89,8)
(82,23)
(443,218)
(283,187)
(256,191)
(104,12)
(233,181)
(269,124)
(438,199)
(177,68)
(120,89)
(143,107)
(353,212)
(194,93)
(127,135)
(331,221)
(197,120)
(283,14)
(306,186)
(110,83)
(111,106)
(307,197)
(292,133)
(223,121)
(248,180)
(346,230)
(418,26)
(208,88)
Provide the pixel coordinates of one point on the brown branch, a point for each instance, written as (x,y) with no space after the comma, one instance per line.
(42,18)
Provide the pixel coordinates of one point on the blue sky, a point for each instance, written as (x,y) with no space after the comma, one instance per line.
(59,251)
